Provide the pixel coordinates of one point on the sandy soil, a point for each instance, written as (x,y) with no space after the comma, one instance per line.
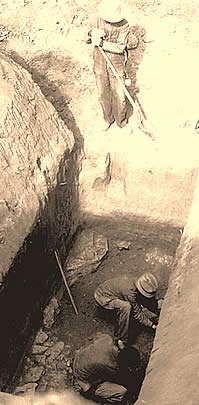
(48,38)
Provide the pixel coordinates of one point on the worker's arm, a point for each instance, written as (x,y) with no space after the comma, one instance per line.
(138,312)
(99,39)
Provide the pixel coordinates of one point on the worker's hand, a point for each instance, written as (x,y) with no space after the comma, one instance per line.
(154,326)
(97,36)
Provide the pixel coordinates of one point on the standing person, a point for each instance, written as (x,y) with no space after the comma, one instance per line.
(111,34)
(106,371)
(127,296)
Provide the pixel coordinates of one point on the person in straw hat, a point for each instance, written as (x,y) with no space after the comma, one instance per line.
(126,297)
(111,34)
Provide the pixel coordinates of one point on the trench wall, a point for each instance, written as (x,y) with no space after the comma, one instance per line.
(39,206)
(172,373)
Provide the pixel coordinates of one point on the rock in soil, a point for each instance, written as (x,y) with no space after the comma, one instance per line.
(34,374)
(41,337)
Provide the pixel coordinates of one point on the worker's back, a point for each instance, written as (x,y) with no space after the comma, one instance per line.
(122,287)
(96,363)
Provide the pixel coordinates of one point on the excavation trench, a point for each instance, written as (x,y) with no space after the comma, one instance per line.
(134,245)
(41,330)
(138,214)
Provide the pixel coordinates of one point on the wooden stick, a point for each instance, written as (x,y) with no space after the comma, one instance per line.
(65,282)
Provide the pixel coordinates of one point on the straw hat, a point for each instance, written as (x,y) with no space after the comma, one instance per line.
(110,10)
(147,285)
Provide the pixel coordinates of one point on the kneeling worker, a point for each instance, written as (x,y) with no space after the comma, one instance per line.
(107,371)
(127,297)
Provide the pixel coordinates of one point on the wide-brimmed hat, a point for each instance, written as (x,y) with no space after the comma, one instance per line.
(147,285)
(110,10)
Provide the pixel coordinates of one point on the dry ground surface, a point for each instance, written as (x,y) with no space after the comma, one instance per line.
(48,39)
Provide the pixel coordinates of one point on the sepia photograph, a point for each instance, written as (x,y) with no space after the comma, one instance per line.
(99,202)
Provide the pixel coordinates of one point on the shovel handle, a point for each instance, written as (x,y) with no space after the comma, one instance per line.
(133,103)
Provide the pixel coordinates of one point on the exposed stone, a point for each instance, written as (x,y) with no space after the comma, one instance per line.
(40,359)
(49,343)
(55,351)
(68,363)
(38,349)
(123,245)
(41,337)
(42,386)
(86,255)
(157,256)
(34,374)
(49,313)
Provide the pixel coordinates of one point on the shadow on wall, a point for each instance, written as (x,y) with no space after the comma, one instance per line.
(33,276)
(38,67)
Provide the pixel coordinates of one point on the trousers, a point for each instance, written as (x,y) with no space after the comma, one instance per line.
(123,311)
(110,92)
(107,392)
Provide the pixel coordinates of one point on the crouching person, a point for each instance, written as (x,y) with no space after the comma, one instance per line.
(127,297)
(105,370)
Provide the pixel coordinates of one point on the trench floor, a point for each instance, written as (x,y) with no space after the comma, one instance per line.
(152,248)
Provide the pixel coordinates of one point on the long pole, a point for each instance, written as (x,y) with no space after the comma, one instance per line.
(65,282)
(117,76)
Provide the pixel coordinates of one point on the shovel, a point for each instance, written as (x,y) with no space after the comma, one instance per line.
(135,103)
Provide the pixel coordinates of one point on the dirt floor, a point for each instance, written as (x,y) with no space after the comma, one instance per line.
(151,248)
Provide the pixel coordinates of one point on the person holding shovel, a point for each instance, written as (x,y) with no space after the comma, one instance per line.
(111,35)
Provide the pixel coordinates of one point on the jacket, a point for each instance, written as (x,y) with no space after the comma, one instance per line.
(122,288)
(116,35)
(96,363)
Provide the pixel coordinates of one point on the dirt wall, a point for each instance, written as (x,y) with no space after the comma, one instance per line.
(39,206)
(172,373)
(36,151)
